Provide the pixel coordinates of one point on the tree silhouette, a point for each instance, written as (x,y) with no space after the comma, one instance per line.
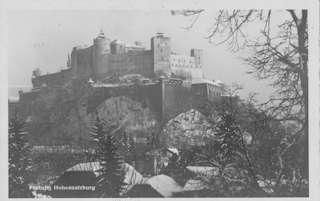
(19,162)
(125,148)
(256,156)
(111,175)
(280,54)
(97,132)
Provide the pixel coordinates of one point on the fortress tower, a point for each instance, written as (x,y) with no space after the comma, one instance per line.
(161,49)
(198,58)
(118,47)
(100,52)
(108,61)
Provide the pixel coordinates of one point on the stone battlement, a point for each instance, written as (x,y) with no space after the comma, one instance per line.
(105,59)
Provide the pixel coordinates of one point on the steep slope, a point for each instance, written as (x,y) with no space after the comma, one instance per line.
(187,129)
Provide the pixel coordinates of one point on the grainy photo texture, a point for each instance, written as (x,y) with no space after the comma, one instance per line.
(158,103)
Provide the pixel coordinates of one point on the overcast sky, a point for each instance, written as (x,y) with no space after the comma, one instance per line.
(43,39)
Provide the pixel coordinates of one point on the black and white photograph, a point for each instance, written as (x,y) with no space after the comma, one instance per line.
(160,99)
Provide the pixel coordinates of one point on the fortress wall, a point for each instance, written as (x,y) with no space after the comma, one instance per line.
(183,66)
(13,107)
(177,100)
(147,95)
(200,94)
(54,79)
(140,62)
(182,61)
(214,92)
(84,58)
(101,67)
(181,73)
(188,73)
(25,103)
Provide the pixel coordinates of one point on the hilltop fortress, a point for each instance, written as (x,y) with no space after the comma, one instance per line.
(170,91)
(108,60)
(169,80)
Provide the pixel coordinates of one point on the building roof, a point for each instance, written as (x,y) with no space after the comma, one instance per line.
(174,150)
(218,81)
(195,185)
(31,119)
(203,172)
(33,90)
(91,81)
(64,68)
(132,177)
(91,167)
(165,185)
(161,150)
(204,81)
(117,41)
(13,99)
(133,46)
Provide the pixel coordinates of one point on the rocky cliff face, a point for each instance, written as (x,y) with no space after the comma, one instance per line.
(125,112)
(72,125)
(187,129)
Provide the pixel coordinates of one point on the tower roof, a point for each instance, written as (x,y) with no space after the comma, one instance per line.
(204,81)
(101,34)
(64,68)
(117,41)
(218,81)
(90,81)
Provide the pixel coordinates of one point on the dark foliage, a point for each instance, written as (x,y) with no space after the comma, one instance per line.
(19,161)
(125,147)
(111,175)
(176,169)
(153,140)
(97,132)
